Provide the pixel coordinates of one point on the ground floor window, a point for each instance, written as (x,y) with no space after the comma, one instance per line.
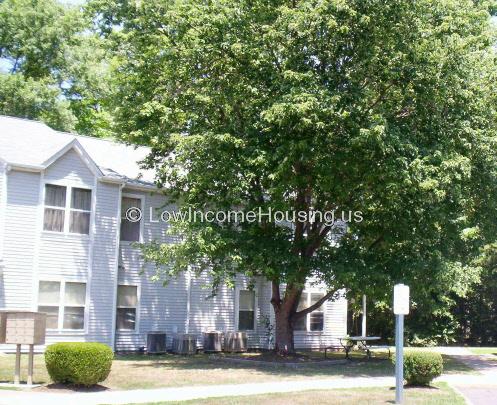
(127,301)
(313,321)
(64,303)
(246,310)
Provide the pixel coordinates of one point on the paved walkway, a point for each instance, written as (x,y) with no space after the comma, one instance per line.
(478,389)
(185,393)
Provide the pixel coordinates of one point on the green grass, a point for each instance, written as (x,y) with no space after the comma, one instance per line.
(453,366)
(138,371)
(483,350)
(439,394)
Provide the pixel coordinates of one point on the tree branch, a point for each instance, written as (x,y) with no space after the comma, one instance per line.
(275,298)
(316,305)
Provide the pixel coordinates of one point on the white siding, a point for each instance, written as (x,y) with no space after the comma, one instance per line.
(70,168)
(161,307)
(104,267)
(20,218)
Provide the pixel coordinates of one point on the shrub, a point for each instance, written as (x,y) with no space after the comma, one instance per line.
(421,367)
(78,363)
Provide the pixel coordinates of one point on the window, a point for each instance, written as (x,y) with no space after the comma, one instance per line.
(246,310)
(55,205)
(64,215)
(313,321)
(64,304)
(316,317)
(130,231)
(127,301)
(79,221)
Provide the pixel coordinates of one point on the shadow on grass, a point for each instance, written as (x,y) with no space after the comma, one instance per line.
(72,388)
(353,368)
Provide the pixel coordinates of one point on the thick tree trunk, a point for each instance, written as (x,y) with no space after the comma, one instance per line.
(283,333)
(284,310)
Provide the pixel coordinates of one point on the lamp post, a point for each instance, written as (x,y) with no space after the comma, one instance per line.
(400,308)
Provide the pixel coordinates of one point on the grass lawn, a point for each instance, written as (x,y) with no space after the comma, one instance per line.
(138,371)
(440,394)
(483,350)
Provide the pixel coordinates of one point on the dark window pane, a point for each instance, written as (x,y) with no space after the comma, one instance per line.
(130,231)
(55,196)
(317,321)
(74,318)
(81,199)
(246,320)
(300,323)
(79,222)
(52,316)
(126,318)
(53,220)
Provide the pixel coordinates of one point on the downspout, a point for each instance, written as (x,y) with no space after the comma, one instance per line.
(188,276)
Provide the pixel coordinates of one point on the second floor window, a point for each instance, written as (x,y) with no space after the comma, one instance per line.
(67,209)
(130,230)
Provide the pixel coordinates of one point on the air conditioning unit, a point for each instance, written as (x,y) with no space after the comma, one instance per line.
(156,342)
(213,341)
(184,343)
(235,342)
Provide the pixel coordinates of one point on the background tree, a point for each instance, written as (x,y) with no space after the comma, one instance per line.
(53,68)
(381,107)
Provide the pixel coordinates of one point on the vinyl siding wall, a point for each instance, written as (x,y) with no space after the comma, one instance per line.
(102,262)
(164,308)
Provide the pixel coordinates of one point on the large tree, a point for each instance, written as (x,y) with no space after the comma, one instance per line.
(382,107)
(52,67)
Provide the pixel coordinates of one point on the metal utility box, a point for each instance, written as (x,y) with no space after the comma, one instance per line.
(184,343)
(235,342)
(3,326)
(156,342)
(213,341)
(25,328)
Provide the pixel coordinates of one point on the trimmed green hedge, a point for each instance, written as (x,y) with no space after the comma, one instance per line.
(78,363)
(421,367)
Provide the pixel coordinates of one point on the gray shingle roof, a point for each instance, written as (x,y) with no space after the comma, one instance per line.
(31,143)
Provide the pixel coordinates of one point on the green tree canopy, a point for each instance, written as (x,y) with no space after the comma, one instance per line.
(54,68)
(387,108)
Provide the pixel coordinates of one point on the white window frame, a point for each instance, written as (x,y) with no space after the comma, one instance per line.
(308,316)
(67,209)
(62,292)
(137,309)
(237,308)
(142,220)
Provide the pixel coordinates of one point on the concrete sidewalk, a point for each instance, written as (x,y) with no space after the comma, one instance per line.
(186,393)
(478,389)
